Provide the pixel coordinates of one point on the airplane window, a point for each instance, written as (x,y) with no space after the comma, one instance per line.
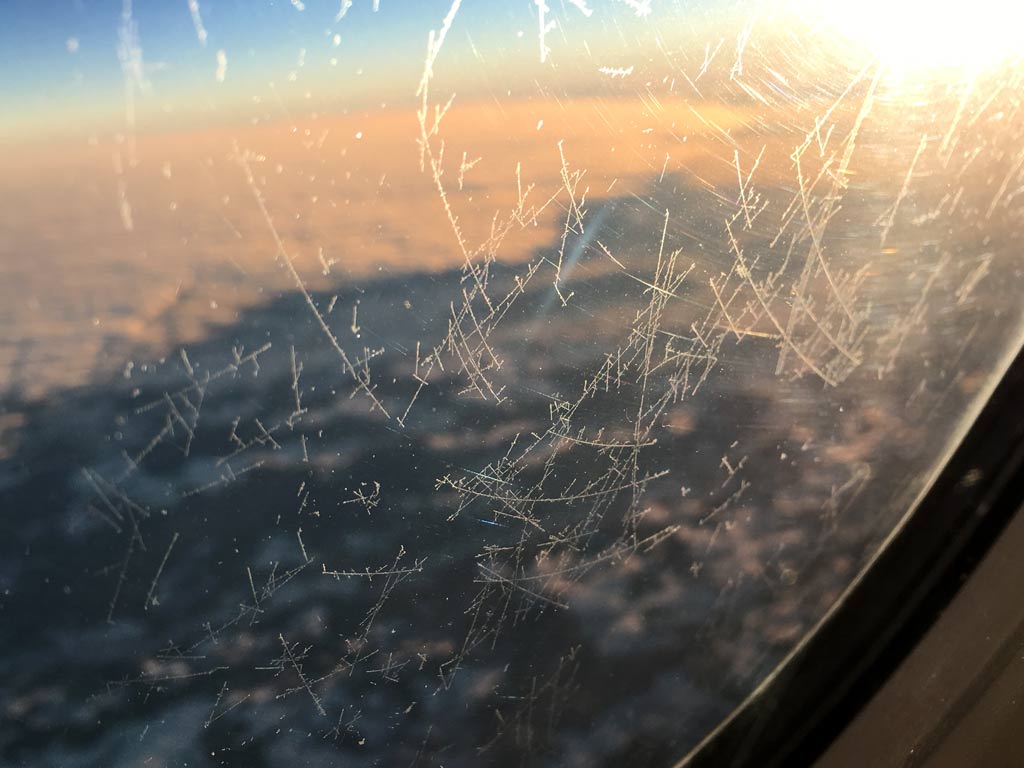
(451,382)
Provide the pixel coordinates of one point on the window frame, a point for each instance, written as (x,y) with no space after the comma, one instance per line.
(800,708)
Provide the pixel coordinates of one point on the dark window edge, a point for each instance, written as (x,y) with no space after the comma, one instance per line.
(801,707)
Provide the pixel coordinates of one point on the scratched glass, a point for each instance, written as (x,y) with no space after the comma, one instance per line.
(412,382)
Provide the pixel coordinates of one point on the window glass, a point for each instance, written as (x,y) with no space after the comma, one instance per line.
(418,382)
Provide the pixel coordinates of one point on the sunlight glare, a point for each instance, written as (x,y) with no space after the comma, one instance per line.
(931,34)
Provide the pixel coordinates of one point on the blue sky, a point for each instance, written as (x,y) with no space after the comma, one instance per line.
(377,55)
(262,40)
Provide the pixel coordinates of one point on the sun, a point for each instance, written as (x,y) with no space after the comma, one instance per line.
(927,34)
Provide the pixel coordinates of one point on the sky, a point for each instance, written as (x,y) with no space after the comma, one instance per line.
(257,59)
(63,54)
